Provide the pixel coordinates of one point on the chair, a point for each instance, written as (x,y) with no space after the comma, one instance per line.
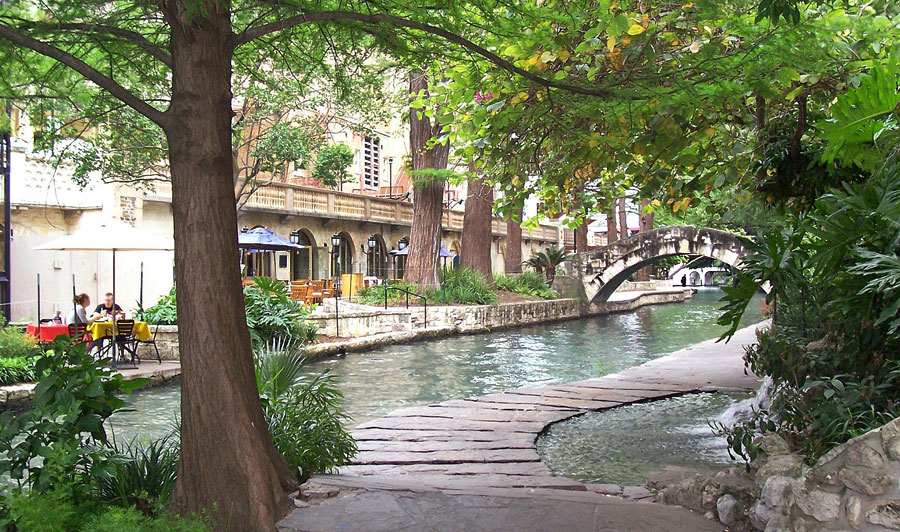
(124,340)
(316,291)
(299,293)
(151,341)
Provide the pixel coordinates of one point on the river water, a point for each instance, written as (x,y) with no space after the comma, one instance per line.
(384,379)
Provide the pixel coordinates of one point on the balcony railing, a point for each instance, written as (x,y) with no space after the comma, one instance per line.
(320,202)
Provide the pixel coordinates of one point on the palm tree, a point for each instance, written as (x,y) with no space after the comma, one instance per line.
(545,262)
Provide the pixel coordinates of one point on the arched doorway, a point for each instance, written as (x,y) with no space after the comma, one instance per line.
(376,258)
(345,255)
(304,262)
(454,248)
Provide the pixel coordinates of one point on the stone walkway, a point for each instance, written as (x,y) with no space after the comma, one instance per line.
(472,464)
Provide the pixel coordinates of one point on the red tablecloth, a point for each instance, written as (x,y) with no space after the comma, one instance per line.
(49,331)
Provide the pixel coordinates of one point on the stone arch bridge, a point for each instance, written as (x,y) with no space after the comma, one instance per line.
(603,270)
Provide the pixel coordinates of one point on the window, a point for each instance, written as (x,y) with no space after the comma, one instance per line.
(346,257)
(376,261)
(371,162)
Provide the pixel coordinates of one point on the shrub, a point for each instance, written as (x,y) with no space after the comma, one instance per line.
(833,352)
(144,474)
(271,313)
(164,312)
(54,511)
(14,343)
(374,295)
(527,284)
(16,370)
(304,414)
(65,425)
(464,286)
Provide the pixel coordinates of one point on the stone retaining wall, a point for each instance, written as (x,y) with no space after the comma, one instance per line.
(166,341)
(856,486)
(466,319)
(356,324)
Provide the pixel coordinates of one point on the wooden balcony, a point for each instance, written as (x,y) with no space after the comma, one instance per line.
(300,200)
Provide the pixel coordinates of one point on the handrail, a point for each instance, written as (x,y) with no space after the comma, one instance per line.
(408,293)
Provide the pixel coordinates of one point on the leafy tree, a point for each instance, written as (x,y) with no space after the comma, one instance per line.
(332,162)
(172,64)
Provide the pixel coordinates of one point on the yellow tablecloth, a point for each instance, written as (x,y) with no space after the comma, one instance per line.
(99,329)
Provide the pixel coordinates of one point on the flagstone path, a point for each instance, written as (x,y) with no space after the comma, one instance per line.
(472,464)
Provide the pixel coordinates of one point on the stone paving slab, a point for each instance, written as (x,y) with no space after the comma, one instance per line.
(456,456)
(475,460)
(482,413)
(378,509)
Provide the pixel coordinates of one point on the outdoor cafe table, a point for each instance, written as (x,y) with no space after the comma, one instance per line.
(48,331)
(100,329)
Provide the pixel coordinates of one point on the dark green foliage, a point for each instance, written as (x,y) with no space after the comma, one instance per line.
(54,511)
(462,286)
(833,353)
(527,284)
(164,312)
(546,261)
(304,413)
(271,313)
(14,343)
(65,425)
(144,474)
(374,295)
(332,162)
(16,370)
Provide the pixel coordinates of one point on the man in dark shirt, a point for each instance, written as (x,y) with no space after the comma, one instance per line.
(105,309)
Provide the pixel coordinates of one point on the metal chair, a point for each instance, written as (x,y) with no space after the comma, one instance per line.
(124,340)
(151,341)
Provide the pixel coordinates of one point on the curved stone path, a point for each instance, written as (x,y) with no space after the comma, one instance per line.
(477,457)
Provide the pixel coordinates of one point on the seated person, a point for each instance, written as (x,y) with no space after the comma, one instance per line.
(78,314)
(105,310)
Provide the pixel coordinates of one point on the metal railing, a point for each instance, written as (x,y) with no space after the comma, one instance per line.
(408,293)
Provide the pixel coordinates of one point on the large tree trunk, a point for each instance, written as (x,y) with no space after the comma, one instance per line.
(646,225)
(475,248)
(612,232)
(423,264)
(228,465)
(623,218)
(581,234)
(513,258)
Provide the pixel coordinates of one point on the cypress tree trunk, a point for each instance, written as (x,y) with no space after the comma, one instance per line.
(513,258)
(646,225)
(423,264)
(612,232)
(228,464)
(581,240)
(623,219)
(475,248)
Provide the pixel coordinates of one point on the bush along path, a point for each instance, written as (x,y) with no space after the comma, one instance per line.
(481,452)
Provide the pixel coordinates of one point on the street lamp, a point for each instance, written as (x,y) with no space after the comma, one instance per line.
(295,237)
(372,242)
(390,177)
(401,245)
(336,253)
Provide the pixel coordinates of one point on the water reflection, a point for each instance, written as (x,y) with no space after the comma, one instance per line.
(384,379)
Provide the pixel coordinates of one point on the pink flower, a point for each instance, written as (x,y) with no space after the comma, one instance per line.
(479,96)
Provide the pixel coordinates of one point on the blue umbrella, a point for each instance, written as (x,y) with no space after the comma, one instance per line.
(261,239)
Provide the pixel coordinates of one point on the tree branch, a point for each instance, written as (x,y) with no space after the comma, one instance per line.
(118,91)
(253,33)
(151,48)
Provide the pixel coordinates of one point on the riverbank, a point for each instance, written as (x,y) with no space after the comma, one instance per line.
(481,452)
(443,321)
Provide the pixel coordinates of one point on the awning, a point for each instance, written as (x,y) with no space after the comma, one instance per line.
(261,239)
(405,251)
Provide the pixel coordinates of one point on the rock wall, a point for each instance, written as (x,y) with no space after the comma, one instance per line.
(355,324)
(856,486)
(466,319)
(166,341)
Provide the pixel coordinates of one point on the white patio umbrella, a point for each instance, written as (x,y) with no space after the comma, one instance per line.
(112,236)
